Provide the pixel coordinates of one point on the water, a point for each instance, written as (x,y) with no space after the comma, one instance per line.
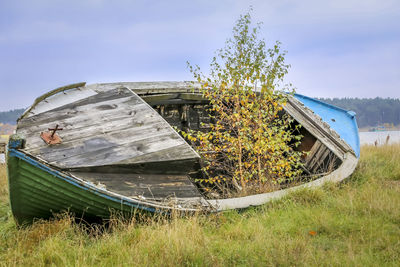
(380,137)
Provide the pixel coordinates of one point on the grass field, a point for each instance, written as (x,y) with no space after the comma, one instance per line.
(355,223)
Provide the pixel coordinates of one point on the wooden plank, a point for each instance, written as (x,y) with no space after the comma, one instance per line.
(321,160)
(151,186)
(71,140)
(60,99)
(318,158)
(119,127)
(74,130)
(53,92)
(94,152)
(315,152)
(316,127)
(108,128)
(160,155)
(159,97)
(311,154)
(174,99)
(143,88)
(92,103)
(183,166)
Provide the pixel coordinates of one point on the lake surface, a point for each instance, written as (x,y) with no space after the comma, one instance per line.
(380,137)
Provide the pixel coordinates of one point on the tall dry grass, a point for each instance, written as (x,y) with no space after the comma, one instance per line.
(353,223)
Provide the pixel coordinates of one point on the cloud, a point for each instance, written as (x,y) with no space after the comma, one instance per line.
(336,48)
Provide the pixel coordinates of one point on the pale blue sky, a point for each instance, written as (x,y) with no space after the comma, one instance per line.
(340,48)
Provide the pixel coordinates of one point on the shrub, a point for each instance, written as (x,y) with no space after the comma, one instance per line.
(250,145)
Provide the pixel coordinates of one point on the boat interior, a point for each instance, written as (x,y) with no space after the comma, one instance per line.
(119,138)
(187,111)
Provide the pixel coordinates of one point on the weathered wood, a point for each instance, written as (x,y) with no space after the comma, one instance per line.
(320,164)
(314,159)
(52,92)
(61,99)
(105,101)
(311,154)
(111,127)
(317,157)
(174,99)
(143,88)
(135,154)
(79,127)
(185,116)
(152,186)
(97,152)
(313,124)
(183,166)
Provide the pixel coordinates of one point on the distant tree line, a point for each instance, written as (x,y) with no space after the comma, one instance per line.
(370,111)
(11,116)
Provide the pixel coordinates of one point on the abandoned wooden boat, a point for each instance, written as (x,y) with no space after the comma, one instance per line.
(101,148)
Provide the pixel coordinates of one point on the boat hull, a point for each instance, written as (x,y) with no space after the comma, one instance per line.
(38,191)
(113,161)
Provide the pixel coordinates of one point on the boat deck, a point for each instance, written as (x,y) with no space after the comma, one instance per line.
(113,139)
(115,127)
(149,186)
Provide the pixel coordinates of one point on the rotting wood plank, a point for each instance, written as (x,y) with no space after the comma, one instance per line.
(316,158)
(157,186)
(306,120)
(159,155)
(313,150)
(309,160)
(314,124)
(183,166)
(71,137)
(98,143)
(60,99)
(144,131)
(71,140)
(174,98)
(108,130)
(96,152)
(52,92)
(86,119)
(319,163)
(143,88)
(178,101)
(110,99)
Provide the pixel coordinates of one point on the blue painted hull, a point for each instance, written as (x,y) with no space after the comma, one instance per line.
(342,121)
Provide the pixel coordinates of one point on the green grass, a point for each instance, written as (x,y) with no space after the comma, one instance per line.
(356,223)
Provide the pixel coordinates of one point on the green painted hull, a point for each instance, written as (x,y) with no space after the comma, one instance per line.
(37,191)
